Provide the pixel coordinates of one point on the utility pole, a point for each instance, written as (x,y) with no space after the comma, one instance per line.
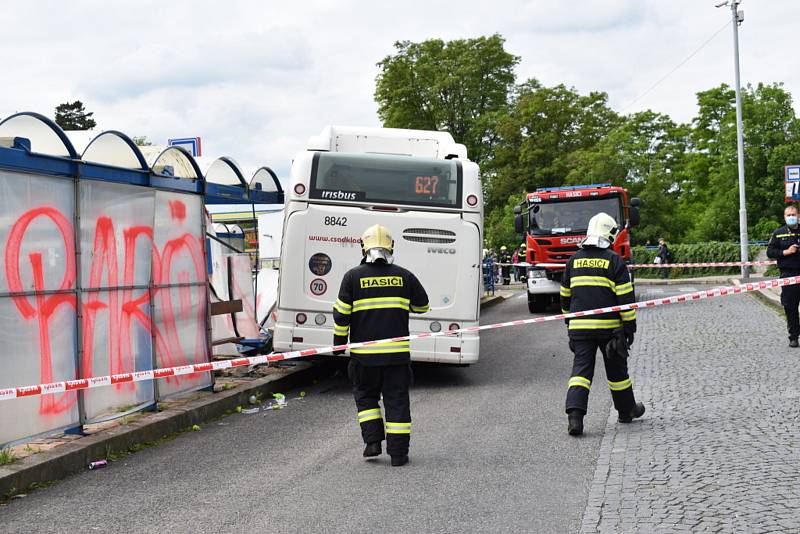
(738,18)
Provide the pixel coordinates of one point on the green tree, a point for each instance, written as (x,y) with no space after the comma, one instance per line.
(543,129)
(73,116)
(772,140)
(460,86)
(141,140)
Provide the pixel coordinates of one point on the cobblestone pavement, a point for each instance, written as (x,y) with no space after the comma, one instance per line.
(719,447)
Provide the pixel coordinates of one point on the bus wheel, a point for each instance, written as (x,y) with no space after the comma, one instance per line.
(537,304)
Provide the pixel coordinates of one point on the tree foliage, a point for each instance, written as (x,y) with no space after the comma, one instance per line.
(531,135)
(73,116)
(459,86)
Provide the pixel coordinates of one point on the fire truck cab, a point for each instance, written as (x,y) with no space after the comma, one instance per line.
(554,222)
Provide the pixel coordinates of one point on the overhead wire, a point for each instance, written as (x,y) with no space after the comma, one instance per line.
(678,66)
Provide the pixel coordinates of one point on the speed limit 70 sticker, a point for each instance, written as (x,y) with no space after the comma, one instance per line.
(318,286)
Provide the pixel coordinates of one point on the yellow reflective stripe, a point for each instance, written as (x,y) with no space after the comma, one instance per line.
(621,385)
(599,281)
(628,315)
(623,289)
(421,309)
(580,381)
(369,415)
(566,292)
(564,311)
(379,303)
(398,428)
(593,324)
(342,307)
(383,348)
(341,330)
(786,235)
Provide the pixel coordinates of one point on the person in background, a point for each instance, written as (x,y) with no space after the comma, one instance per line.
(515,261)
(665,256)
(783,246)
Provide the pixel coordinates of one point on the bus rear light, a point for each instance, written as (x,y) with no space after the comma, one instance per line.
(301,318)
(319,319)
(472,201)
(455,349)
(297,340)
(300,189)
(436,326)
(453,326)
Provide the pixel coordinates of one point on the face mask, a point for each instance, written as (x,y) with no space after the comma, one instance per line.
(791,220)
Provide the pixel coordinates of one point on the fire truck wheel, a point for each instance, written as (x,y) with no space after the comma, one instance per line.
(537,303)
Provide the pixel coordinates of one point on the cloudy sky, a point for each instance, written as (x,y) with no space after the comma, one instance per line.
(255,78)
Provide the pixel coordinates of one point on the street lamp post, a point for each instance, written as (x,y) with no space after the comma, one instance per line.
(738,18)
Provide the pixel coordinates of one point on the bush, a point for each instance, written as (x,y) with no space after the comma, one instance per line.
(693,253)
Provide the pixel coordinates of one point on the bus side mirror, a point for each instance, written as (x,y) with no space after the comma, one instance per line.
(518,227)
(636,202)
(634,217)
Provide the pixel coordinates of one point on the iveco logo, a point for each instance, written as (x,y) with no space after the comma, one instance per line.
(441,250)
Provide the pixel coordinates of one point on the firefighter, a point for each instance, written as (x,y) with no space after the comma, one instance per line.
(783,246)
(523,258)
(505,258)
(374,301)
(596,277)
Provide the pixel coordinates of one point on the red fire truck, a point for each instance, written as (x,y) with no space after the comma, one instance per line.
(554,222)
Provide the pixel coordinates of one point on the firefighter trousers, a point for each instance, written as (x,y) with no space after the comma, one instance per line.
(790,300)
(393,382)
(580,382)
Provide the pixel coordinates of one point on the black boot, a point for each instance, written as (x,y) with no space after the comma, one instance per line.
(635,413)
(398,461)
(372,449)
(575,423)
(793,342)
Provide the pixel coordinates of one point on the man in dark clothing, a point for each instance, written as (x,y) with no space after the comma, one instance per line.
(664,257)
(783,246)
(596,277)
(505,258)
(374,301)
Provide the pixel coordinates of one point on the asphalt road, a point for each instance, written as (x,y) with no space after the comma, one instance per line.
(489,452)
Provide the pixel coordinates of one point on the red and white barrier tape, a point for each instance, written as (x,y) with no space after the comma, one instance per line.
(709,264)
(139,376)
(658,265)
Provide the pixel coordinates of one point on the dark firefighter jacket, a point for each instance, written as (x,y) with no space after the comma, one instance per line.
(597,278)
(781,239)
(374,302)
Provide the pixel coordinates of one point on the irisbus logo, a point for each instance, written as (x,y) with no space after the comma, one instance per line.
(338,195)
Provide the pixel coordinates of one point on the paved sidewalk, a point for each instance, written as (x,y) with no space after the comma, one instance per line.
(719,447)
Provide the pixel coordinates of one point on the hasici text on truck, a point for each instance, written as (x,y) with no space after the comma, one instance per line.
(554,222)
(418,184)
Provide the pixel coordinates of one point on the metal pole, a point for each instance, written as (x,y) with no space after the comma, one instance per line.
(740,141)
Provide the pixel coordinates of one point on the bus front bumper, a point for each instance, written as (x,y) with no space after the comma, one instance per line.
(462,349)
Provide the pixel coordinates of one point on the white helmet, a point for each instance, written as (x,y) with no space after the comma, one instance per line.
(601,232)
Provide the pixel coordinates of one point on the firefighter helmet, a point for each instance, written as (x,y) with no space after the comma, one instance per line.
(601,232)
(503,248)
(523,246)
(376,236)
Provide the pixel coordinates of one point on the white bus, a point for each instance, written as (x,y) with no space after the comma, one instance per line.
(422,187)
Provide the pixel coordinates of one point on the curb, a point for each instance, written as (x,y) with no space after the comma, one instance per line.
(491,301)
(767,297)
(73,457)
(678,281)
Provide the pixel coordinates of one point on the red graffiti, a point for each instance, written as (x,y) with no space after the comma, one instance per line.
(43,307)
(123,308)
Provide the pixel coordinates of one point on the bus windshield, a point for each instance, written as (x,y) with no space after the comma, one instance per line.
(386,179)
(570,216)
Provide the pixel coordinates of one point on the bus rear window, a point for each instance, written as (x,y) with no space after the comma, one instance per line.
(385,179)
